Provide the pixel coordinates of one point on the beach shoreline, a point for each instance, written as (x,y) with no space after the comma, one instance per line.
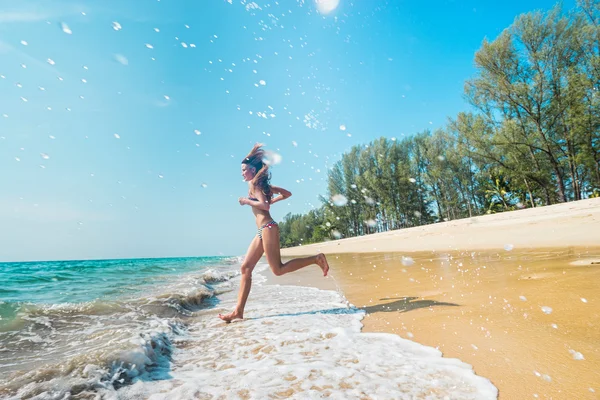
(561,225)
(511,294)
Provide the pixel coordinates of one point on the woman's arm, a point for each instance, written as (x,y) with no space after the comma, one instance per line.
(283,194)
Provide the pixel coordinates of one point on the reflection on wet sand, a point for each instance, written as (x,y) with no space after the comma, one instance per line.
(527,320)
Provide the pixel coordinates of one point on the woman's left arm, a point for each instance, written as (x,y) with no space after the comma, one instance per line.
(283,194)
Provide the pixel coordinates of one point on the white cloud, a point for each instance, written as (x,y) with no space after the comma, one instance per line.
(45,212)
(4,47)
(22,16)
(35,11)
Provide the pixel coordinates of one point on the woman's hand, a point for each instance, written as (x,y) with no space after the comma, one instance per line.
(243,201)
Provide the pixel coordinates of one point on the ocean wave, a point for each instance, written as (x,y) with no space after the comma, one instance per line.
(80,348)
(212,276)
(234,260)
(143,356)
(93,341)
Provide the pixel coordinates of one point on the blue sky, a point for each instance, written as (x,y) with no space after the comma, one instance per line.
(123,124)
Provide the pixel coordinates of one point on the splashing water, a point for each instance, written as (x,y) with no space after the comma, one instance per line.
(339,200)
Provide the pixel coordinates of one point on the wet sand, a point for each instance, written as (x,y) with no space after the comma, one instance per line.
(516,295)
(527,320)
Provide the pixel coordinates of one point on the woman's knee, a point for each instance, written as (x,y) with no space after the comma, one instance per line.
(277,270)
(246,270)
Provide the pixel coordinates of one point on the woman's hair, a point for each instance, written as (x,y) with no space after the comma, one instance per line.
(261,180)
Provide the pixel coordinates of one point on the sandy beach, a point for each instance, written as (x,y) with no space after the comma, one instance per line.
(514,294)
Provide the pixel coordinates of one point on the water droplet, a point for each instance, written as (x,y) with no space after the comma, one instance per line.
(523,298)
(584,300)
(342,127)
(371,223)
(167,97)
(149,46)
(407,261)
(547,310)
(204,185)
(508,247)
(294,144)
(262,82)
(117,136)
(576,355)
(272,158)
(24,43)
(65,28)
(17,158)
(44,156)
(160,176)
(336,234)
(156,30)
(116,26)
(197,132)
(50,61)
(121,59)
(339,200)
(412,180)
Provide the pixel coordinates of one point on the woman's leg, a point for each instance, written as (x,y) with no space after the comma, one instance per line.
(253,255)
(272,251)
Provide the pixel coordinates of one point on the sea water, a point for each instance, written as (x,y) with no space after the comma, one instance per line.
(138,329)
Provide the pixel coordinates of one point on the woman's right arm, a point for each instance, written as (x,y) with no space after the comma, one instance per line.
(283,194)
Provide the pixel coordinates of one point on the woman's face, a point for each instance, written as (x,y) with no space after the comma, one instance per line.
(248,172)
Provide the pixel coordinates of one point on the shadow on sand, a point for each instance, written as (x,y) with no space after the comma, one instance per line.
(402,304)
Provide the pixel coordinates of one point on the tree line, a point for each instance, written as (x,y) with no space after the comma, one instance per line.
(533,140)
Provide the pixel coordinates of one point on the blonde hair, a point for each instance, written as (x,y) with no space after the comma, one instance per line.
(262,177)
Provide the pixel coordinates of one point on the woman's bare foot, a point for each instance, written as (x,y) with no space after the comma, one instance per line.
(322,262)
(231,316)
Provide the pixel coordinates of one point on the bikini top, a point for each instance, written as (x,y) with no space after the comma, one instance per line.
(252,198)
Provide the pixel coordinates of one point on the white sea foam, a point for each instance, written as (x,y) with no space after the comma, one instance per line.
(300,343)
(295,342)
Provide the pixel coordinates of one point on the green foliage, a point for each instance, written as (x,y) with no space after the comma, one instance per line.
(534,140)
